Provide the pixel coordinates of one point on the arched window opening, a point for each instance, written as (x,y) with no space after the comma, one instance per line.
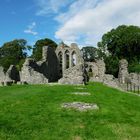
(73,59)
(60,63)
(90,72)
(67,56)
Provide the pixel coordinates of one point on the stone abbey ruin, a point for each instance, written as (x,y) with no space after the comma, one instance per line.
(66,65)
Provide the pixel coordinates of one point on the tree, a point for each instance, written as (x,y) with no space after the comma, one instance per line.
(13,52)
(89,53)
(37,50)
(112,65)
(123,42)
(120,43)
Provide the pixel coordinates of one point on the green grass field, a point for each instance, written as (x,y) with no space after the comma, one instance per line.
(34,113)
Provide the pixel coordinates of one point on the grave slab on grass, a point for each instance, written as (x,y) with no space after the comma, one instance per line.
(80,88)
(81,93)
(80,106)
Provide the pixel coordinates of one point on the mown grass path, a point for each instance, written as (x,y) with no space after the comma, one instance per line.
(34,113)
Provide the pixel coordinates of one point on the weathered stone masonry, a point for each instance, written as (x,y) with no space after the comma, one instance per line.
(41,72)
(71,64)
(66,66)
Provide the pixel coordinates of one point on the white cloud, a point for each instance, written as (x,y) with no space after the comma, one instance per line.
(51,6)
(30,29)
(86,21)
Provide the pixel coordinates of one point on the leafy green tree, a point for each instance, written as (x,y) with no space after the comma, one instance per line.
(89,53)
(123,42)
(13,52)
(112,65)
(119,43)
(37,50)
(134,66)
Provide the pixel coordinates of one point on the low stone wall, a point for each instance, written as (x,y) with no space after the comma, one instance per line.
(111,81)
(134,78)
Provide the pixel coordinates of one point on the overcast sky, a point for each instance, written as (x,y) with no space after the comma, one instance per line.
(80,21)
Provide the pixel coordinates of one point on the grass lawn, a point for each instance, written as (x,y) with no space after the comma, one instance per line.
(33,112)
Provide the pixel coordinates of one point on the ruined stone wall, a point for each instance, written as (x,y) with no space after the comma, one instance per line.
(30,73)
(111,81)
(73,75)
(73,69)
(42,71)
(44,53)
(2,74)
(124,76)
(123,71)
(72,64)
(72,51)
(97,69)
(134,78)
(49,65)
(12,74)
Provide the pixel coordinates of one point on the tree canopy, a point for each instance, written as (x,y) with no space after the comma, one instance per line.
(37,50)
(123,42)
(119,43)
(13,53)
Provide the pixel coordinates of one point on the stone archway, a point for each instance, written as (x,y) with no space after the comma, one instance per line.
(67,59)
(60,58)
(74,61)
(90,72)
